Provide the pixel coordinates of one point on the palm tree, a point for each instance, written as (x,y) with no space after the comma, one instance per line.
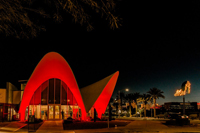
(120,98)
(155,93)
(136,95)
(116,105)
(129,97)
(110,108)
(145,98)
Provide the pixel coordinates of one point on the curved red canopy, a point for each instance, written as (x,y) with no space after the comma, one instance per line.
(53,65)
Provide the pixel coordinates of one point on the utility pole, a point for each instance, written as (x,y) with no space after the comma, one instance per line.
(183,104)
(119,104)
(120,100)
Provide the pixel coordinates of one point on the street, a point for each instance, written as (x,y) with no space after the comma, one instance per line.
(133,126)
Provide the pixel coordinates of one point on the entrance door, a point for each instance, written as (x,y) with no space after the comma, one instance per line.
(51,112)
(54,112)
(57,112)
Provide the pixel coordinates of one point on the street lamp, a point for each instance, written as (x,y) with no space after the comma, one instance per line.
(126,89)
(120,101)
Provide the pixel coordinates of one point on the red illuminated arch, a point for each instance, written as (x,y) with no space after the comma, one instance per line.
(104,98)
(98,94)
(52,65)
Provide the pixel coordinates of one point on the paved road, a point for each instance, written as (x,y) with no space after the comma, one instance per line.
(135,126)
(146,127)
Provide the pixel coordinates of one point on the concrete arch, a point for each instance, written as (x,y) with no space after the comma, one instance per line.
(97,95)
(52,65)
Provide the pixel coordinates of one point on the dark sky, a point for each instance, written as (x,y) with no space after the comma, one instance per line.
(156,46)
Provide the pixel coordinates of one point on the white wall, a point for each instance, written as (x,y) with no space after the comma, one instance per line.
(2,95)
(23,85)
(16,97)
(10,87)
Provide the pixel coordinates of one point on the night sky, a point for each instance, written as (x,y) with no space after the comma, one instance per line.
(156,46)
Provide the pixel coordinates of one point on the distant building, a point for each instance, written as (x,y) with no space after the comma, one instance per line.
(10,98)
(198,106)
(178,107)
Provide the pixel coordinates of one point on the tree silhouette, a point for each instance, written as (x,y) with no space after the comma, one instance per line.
(136,95)
(116,105)
(24,18)
(110,109)
(145,98)
(155,93)
(120,98)
(129,97)
(14,20)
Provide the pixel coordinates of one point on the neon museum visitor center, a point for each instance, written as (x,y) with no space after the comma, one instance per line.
(52,90)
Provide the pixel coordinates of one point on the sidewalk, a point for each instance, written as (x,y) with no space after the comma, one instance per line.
(133,127)
(11,126)
(141,118)
(51,126)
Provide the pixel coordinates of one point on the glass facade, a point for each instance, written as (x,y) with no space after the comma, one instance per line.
(51,91)
(53,100)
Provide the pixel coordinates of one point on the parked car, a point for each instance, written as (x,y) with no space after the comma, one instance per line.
(172,115)
(161,116)
(184,117)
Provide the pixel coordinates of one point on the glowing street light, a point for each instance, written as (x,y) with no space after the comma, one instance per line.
(126,89)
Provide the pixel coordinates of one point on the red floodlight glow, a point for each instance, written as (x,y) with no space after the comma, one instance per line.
(53,65)
(103,99)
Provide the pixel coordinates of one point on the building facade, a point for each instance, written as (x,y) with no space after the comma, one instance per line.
(53,100)
(52,93)
(10,98)
(190,107)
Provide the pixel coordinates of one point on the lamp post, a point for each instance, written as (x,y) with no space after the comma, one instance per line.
(183,104)
(120,100)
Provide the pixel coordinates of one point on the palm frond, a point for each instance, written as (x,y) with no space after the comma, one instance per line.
(156,93)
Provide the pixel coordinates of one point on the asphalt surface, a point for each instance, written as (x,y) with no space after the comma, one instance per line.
(135,125)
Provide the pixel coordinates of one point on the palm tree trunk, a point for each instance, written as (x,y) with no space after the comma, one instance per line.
(154,102)
(109,112)
(144,110)
(130,108)
(116,107)
(136,108)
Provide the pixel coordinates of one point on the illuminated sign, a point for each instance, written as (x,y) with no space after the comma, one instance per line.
(185,89)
